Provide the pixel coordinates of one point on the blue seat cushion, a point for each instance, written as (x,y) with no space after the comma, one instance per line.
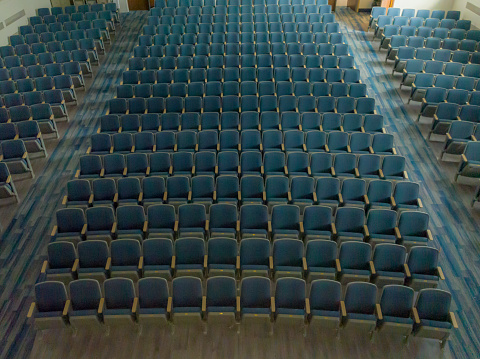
(187,309)
(322,269)
(91,270)
(288,268)
(220,309)
(255,310)
(223,230)
(399,320)
(415,239)
(98,233)
(152,311)
(189,266)
(160,230)
(277,200)
(355,271)
(221,266)
(254,231)
(424,277)
(388,237)
(59,271)
(303,201)
(359,316)
(192,230)
(48,314)
(390,274)
(328,201)
(83,313)
(325,313)
(124,268)
(164,267)
(286,231)
(126,311)
(435,324)
(254,267)
(290,311)
(350,234)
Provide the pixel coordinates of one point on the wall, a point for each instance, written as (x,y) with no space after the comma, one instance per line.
(11,9)
(468,14)
(425,4)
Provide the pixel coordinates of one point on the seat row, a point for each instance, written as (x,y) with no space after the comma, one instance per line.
(255,306)
(414,67)
(448,24)
(288,121)
(147,89)
(458,135)
(7,187)
(62,83)
(249,140)
(155,27)
(250,103)
(220,256)
(58,10)
(41,114)
(316,164)
(410,228)
(462,111)
(176,3)
(469,164)
(424,82)
(278,190)
(45,58)
(106,15)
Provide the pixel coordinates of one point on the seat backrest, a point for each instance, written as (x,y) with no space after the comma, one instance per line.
(187,292)
(70,220)
(437,312)
(288,252)
(397,301)
(153,293)
(255,292)
(61,255)
(285,217)
(85,294)
(191,215)
(290,293)
(355,255)
(389,257)
(413,223)
(223,215)
(221,292)
(93,254)
(125,252)
(131,217)
(50,296)
(423,260)
(360,298)
(325,294)
(119,293)
(321,253)
(100,218)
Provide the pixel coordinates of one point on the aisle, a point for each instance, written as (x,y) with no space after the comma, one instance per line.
(23,246)
(454,224)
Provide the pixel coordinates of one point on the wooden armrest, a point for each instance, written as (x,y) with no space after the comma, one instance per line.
(125,171)
(397,233)
(9,179)
(67,306)
(407,270)
(392,201)
(429,235)
(205,261)
(115,198)
(307,305)
(169,305)
(315,199)
(44,266)
(30,311)
(301,228)
(140,263)
(343,309)
(464,158)
(135,304)
(65,198)
(419,202)
(289,196)
(237,262)
(365,198)
(207,225)
(304,262)
(379,311)
(54,231)
(175,227)
(75,265)
(189,196)
(238,304)
(239,195)
(340,198)
(440,273)
(270,262)
(415,315)
(357,174)
(204,304)
(453,320)
(84,229)
(309,171)
(272,304)
(380,172)
(405,174)
(285,169)
(145,226)
(140,197)
(334,228)
(365,230)
(109,263)
(114,227)
(173,262)
(394,151)
(100,305)
(372,267)
(337,264)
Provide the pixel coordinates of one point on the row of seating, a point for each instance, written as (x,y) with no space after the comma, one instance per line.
(249,140)
(27,131)
(15,156)
(44,58)
(263,75)
(220,257)
(283,104)
(417,22)
(290,306)
(7,187)
(469,166)
(278,190)
(470,72)
(250,120)
(410,229)
(84,8)
(424,82)
(409,13)
(462,110)
(176,3)
(40,113)
(109,16)
(146,89)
